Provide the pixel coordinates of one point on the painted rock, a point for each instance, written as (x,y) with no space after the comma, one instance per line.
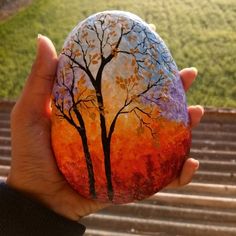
(120,126)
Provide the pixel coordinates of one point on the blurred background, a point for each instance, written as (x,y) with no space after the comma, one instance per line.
(199,33)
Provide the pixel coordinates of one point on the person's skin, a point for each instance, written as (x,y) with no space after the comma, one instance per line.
(33,168)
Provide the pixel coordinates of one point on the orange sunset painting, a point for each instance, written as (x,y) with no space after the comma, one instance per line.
(120,126)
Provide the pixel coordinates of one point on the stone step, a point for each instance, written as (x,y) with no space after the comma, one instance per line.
(4,170)
(96,232)
(142,226)
(6,105)
(222,166)
(4,124)
(213,155)
(206,189)
(5,161)
(4,116)
(214,135)
(213,145)
(5,141)
(155,212)
(194,200)
(209,126)
(5,151)
(5,132)
(215,177)
(219,115)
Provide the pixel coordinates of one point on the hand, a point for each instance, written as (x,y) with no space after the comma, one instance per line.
(34,171)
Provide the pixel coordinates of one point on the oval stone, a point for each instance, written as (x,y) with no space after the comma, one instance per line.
(120,126)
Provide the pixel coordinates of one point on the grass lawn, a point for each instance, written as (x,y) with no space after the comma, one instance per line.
(199,33)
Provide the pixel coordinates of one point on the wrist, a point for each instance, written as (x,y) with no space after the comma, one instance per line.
(51,200)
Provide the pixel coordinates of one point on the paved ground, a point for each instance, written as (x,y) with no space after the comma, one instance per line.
(10,7)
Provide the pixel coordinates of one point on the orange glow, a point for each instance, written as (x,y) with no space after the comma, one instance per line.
(140,165)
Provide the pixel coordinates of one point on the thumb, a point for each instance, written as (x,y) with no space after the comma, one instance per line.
(37,91)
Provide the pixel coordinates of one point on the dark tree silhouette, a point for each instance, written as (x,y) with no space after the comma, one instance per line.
(95,45)
(76,121)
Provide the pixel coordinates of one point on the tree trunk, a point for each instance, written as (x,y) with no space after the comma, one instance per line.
(107,159)
(106,145)
(82,132)
(89,164)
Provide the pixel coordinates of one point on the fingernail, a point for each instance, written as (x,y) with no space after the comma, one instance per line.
(39,37)
(196,164)
(201,108)
(37,44)
(194,69)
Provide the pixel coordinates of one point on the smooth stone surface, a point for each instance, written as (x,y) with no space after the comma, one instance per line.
(120,126)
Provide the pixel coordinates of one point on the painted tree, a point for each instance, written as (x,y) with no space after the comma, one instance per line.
(97,48)
(70,106)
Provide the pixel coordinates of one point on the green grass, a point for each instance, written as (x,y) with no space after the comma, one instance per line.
(199,33)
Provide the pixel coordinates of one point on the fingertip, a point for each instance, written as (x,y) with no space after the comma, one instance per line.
(45,47)
(194,163)
(195,114)
(194,70)
(197,110)
(188,75)
(190,167)
(200,109)
(189,72)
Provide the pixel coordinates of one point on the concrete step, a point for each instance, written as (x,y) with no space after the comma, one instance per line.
(5,132)
(222,166)
(156,212)
(5,151)
(5,161)
(150,227)
(96,232)
(205,189)
(4,124)
(222,127)
(194,200)
(219,115)
(213,155)
(215,177)
(4,170)
(6,105)
(213,145)
(4,116)
(214,135)
(5,141)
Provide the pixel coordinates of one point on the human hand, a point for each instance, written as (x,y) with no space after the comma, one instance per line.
(34,170)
